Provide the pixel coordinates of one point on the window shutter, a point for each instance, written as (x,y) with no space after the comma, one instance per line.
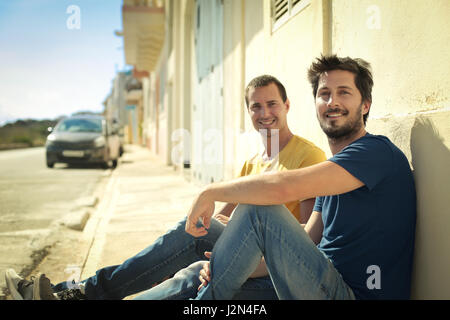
(283,10)
(280,9)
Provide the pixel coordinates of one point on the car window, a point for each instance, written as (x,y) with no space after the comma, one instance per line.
(80,125)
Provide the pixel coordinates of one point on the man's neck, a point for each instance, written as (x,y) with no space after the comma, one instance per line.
(280,138)
(337,145)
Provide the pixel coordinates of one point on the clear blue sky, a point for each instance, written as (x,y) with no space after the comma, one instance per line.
(48,69)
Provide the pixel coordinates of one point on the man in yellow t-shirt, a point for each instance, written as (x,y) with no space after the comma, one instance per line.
(298,153)
(268,106)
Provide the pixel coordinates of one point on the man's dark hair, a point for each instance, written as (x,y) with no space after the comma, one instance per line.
(359,67)
(263,81)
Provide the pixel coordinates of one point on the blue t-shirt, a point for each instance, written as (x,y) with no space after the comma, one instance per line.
(369,232)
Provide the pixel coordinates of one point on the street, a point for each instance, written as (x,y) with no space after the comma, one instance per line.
(33,198)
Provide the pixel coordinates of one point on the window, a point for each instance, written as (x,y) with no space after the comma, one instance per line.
(283,10)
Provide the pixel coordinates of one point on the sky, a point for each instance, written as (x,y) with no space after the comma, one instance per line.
(57,57)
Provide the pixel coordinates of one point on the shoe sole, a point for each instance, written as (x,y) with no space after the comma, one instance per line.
(9,274)
(36,287)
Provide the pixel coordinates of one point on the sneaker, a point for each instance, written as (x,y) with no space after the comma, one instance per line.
(71,294)
(42,289)
(19,288)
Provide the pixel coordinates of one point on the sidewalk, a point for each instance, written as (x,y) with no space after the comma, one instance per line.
(142,200)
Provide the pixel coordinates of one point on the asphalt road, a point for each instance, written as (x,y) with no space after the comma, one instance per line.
(32,198)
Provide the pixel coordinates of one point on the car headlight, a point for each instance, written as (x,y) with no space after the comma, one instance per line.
(50,139)
(99,142)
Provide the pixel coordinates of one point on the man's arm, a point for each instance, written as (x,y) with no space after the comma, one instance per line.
(306,208)
(227,209)
(326,178)
(224,214)
(314,227)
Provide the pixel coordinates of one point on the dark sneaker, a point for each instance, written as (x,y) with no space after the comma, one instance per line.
(19,288)
(71,294)
(42,288)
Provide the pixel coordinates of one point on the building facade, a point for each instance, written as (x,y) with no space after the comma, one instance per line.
(200,54)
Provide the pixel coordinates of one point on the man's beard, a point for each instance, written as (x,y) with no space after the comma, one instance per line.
(350,128)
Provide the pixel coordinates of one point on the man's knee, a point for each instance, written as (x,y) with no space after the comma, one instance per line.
(260,210)
(190,272)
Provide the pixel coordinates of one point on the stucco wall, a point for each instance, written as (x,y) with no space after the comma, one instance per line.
(407,43)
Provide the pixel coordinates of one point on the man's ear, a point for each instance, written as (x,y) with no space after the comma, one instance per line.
(288,104)
(366,107)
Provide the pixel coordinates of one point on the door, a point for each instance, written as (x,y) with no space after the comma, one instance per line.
(207,120)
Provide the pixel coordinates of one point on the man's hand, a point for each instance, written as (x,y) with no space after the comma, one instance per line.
(221,218)
(202,209)
(205,273)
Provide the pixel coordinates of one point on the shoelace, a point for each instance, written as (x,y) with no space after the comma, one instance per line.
(71,294)
(22,284)
(23,287)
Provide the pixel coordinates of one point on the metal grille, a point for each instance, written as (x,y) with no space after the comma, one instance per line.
(73,146)
(281,7)
(282,10)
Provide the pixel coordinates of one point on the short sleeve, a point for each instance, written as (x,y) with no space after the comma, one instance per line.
(315,156)
(368,159)
(243,170)
(318,204)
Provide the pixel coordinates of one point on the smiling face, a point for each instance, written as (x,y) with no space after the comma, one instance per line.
(339,105)
(267,109)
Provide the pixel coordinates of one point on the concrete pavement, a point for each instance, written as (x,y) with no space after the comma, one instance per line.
(142,200)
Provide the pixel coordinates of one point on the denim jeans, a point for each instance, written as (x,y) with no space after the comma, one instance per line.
(168,254)
(183,286)
(298,269)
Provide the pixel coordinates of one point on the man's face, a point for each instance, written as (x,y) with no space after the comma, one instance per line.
(267,109)
(339,104)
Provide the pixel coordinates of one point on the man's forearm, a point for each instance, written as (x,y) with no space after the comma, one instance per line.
(227,209)
(326,178)
(265,189)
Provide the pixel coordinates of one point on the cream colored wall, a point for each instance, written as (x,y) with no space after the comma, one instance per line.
(407,43)
(185,68)
(193,78)
(146,104)
(151,127)
(404,40)
(233,85)
(286,53)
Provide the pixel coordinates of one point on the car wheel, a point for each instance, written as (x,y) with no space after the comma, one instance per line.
(50,164)
(114,163)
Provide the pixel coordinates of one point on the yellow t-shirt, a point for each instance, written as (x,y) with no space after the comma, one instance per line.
(298,153)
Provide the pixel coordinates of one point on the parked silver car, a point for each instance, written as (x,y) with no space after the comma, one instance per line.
(83,139)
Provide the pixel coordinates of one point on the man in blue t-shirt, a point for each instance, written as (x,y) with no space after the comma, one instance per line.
(371,229)
(363,224)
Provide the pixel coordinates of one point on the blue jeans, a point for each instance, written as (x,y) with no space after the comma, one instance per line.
(168,254)
(183,286)
(297,268)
